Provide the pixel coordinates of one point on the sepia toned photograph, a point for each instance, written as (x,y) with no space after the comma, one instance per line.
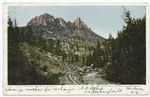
(76,45)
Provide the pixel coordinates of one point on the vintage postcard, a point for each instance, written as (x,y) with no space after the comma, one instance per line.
(75,49)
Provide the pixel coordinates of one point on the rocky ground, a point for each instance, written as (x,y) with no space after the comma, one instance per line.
(75,73)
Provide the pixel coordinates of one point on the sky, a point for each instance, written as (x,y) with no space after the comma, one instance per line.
(102,20)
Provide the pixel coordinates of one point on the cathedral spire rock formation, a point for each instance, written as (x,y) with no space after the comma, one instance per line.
(78,22)
(49,20)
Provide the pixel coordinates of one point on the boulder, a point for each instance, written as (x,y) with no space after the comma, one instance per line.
(87,70)
(91,65)
(80,70)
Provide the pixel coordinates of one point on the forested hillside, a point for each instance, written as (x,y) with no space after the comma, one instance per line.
(24,64)
(123,58)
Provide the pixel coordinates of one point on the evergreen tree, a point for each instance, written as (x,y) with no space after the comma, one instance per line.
(29,35)
(64,55)
(44,44)
(58,48)
(76,57)
(126,53)
(83,59)
(40,39)
(72,59)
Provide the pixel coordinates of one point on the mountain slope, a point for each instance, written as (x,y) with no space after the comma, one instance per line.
(58,28)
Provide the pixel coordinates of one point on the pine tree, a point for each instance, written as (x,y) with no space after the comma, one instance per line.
(72,59)
(64,55)
(44,44)
(76,57)
(83,59)
(29,35)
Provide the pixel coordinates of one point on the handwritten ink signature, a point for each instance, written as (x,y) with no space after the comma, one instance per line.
(96,89)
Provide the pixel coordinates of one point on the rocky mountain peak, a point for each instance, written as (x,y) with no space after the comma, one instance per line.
(49,20)
(58,28)
(41,20)
(78,22)
(46,14)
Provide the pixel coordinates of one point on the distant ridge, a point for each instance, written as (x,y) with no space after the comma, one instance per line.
(49,20)
(58,28)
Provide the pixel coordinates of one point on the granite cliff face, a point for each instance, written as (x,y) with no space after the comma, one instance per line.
(57,28)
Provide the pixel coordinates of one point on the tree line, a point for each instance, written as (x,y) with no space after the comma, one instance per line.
(123,58)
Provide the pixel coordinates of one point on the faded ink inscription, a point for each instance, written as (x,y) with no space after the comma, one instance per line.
(92,89)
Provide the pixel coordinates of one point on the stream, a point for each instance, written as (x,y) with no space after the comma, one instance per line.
(91,79)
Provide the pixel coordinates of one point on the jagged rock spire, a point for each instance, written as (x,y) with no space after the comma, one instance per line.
(78,22)
(47,20)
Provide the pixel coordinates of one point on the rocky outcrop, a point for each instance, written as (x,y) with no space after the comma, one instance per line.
(45,20)
(49,20)
(60,22)
(72,77)
(58,28)
(84,26)
(80,24)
